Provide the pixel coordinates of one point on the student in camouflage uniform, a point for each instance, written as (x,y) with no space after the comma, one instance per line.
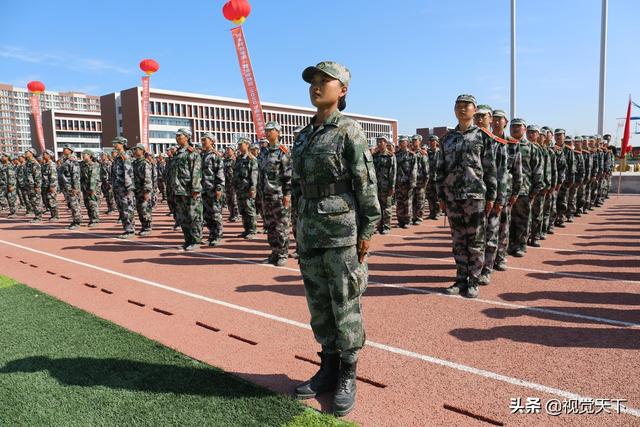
(565,143)
(386,170)
(334,174)
(274,183)
(123,186)
(8,177)
(213,186)
(161,165)
(406,181)
(105,181)
(21,174)
(185,180)
(33,183)
(514,182)
(69,176)
(467,187)
(609,162)
(245,180)
(230,192)
(294,201)
(532,184)
(171,203)
(558,174)
(154,179)
(483,118)
(256,151)
(422,180)
(50,185)
(143,188)
(580,176)
(3,184)
(537,205)
(89,182)
(432,195)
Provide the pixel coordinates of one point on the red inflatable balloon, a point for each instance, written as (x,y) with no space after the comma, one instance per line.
(236,11)
(35,86)
(149,66)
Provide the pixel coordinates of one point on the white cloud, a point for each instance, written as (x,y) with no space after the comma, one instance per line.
(63,60)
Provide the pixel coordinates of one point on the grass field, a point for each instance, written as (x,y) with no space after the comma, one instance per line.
(60,366)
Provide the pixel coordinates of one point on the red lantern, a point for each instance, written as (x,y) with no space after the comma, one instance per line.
(149,66)
(236,11)
(35,87)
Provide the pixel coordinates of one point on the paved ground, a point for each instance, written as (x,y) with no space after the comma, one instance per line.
(563,323)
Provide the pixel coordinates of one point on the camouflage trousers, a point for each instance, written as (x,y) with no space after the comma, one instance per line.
(294,214)
(537,216)
(189,217)
(593,197)
(561,204)
(12,199)
(580,197)
(127,205)
(162,189)
(572,197)
(212,208)
(144,209)
(418,201)
(386,209)
(50,202)
(231,201)
(3,197)
(35,201)
(73,203)
(24,199)
(492,236)
(404,200)
(247,208)
(432,197)
(503,236)
(549,216)
(467,222)
(107,192)
(334,280)
(92,204)
(520,224)
(276,218)
(171,202)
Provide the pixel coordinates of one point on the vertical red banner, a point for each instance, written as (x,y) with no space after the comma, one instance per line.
(37,118)
(249,81)
(145,112)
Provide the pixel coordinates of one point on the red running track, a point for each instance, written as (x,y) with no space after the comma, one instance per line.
(562,323)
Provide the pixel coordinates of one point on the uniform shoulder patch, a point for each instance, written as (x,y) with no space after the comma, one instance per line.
(284,149)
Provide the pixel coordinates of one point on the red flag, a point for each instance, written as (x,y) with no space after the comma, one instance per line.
(627,132)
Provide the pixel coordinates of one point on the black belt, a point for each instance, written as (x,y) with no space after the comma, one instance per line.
(319,191)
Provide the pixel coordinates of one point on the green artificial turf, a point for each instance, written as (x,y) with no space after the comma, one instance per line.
(60,366)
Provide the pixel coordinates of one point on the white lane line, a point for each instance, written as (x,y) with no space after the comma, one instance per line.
(557,273)
(395,350)
(387,285)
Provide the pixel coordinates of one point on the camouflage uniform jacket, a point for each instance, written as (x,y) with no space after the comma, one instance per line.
(553,165)
(69,174)
(185,172)
(142,176)
(502,173)
(105,172)
(49,176)
(229,168)
(467,167)
(561,163)
(571,166)
(245,174)
(588,165)
(407,168)
(579,166)
(213,179)
(275,172)
(161,167)
(89,176)
(3,178)
(334,155)
(532,168)
(514,168)
(21,175)
(422,173)
(386,169)
(33,175)
(9,174)
(122,173)
(545,162)
(433,155)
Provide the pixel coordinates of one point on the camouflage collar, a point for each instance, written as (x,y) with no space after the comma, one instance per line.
(332,120)
(470,129)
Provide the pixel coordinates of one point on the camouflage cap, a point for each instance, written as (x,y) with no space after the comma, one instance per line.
(577,138)
(484,109)
(466,98)
(273,125)
(254,146)
(140,147)
(606,137)
(500,113)
(88,152)
(533,128)
(546,129)
(31,150)
(243,140)
(209,135)
(434,138)
(184,131)
(559,131)
(120,140)
(50,153)
(382,136)
(330,68)
(515,122)
(416,136)
(403,138)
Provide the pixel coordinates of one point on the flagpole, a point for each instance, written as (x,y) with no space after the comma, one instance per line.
(603,66)
(513,59)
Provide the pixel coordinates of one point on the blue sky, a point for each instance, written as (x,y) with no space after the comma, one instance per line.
(409,58)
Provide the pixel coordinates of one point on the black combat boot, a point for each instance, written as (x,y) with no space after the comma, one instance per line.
(345,399)
(324,380)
